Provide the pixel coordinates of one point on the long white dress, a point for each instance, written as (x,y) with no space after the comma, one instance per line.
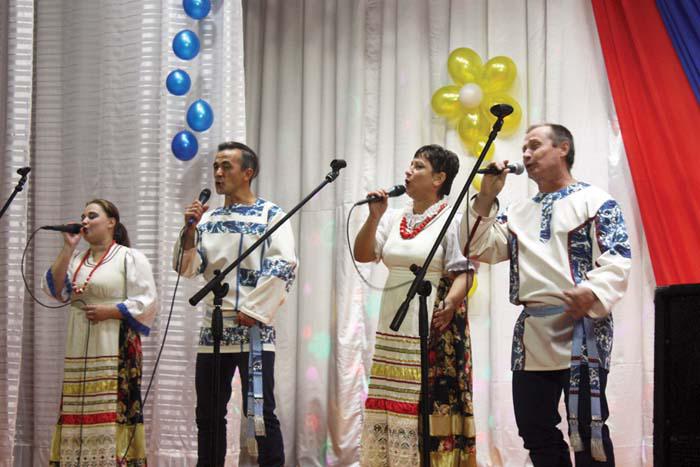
(390,425)
(100,397)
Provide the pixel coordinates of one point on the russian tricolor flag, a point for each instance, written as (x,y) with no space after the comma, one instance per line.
(652,56)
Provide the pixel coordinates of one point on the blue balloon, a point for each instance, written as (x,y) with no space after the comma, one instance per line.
(184,145)
(186,44)
(197,9)
(178,82)
(200,116)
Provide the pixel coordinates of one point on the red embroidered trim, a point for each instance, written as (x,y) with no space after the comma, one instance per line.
(92,419)
(391,406)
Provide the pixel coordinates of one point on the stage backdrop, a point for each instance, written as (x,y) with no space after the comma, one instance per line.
(85,105)
(87,108)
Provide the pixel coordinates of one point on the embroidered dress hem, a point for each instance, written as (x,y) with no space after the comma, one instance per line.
(96,447)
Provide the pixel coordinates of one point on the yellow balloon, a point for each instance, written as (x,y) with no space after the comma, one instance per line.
(472,289)
(511,123)
(499,74)
(472,127)
(477,147)
(476,183)
(445,102)
(464,65)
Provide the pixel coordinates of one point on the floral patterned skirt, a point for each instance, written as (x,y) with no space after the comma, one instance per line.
(101,413)
(452,430)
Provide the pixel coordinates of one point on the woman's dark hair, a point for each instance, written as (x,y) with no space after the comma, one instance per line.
(442,160)
(121,236)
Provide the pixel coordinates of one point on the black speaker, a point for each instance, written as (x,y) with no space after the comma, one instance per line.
(677,376)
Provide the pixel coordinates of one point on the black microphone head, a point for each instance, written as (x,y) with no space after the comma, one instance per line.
(502,110)
(74,228)
(70,228)
(337,164)
(24,171)
(204,195)
(396,190)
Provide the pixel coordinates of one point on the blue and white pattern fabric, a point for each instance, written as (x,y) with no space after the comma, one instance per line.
(260,284)
(547,201)
(256,422)
(585,245)
(584,342)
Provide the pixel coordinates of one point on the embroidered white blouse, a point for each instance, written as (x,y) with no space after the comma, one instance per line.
(556,241)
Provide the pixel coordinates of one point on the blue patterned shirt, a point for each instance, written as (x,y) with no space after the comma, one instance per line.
(259,285)
(574,237)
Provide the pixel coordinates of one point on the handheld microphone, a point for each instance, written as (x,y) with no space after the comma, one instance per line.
(203,198)
(70,228)
(516,168)
(396,190)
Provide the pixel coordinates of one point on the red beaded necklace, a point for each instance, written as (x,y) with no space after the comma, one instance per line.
(80,289)
(407,234)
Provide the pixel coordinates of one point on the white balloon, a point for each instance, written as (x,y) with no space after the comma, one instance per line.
(471,95)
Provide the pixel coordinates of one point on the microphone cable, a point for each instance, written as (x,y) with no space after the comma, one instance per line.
(87,339)
(178,264)
(26,284)
(354,263)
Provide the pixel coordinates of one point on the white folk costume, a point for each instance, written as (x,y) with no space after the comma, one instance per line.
(390,435)
(258,287)
(574,237)
(101,396)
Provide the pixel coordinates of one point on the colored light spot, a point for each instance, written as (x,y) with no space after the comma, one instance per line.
(306,332)
(373,303)
(326,453)
(312,374)
(320,346)
(307,289)
(312,422)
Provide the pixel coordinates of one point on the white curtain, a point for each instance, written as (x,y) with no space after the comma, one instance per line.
(84,104)
(86,107)
(329,79)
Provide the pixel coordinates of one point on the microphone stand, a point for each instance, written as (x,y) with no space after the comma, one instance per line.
(220,289)
(20,184)
(423,288)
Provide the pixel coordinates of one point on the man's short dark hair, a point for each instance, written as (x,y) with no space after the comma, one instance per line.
(249,160)
(442,160)
(559,134)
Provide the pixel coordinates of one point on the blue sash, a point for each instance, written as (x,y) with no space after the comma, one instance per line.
(254,413)
(583,332)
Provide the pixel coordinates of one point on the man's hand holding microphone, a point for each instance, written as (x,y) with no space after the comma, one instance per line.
(493,182)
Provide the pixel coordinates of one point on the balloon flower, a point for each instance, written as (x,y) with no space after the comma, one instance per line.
(477,86)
